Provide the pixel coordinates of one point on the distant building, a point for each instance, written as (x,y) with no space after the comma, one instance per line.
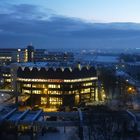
(39,55)
(59,57)
(9,55)
(30,54)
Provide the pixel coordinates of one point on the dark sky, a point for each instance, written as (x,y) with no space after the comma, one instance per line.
(21,24)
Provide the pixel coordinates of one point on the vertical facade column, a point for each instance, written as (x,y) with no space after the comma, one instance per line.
(99,90)
(94,89)
(31,96)
(48,101)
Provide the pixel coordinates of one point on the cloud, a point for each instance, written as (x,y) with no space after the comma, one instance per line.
(24,23)
(28,12)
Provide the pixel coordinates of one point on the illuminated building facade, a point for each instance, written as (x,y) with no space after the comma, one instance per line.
(5,78)
(9,55)
(55,86)
(30,54)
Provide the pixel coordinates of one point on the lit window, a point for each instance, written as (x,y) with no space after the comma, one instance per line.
(36,92)
(53,86)
(26,85)
(55,101)
(43,100)
(87,84)
(26,91)
(87,90)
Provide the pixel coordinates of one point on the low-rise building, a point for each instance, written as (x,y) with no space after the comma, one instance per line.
(53,84)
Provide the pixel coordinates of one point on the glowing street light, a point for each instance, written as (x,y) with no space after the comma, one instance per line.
(2,95)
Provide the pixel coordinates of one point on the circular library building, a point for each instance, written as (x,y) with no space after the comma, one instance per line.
(56,85)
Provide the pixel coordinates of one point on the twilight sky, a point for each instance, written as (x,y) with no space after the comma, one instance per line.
(92,10)
(70,23)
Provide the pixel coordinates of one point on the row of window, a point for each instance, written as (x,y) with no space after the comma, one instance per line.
(52,100)
(54,85)
(6,75)
(56,92)
(8,80)
(57,80)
